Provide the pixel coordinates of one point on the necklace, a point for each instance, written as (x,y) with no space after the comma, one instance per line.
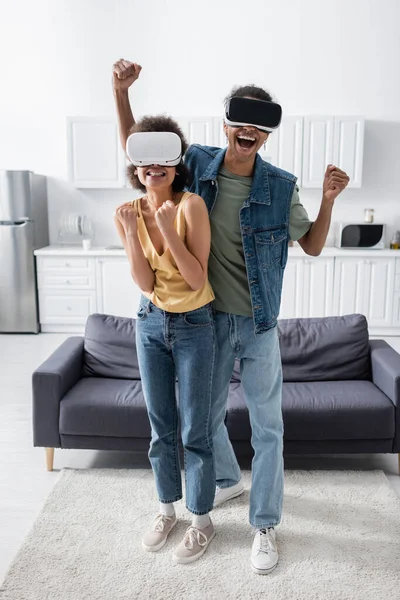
(154,205)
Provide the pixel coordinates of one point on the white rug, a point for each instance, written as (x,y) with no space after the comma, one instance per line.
(339,540)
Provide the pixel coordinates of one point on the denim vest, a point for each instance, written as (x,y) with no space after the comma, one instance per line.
(264,224)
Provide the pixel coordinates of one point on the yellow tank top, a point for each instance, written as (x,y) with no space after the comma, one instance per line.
(171,292)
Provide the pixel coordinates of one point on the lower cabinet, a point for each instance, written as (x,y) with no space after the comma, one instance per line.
(117,293)
(365,286)
(307,288)
(71,288)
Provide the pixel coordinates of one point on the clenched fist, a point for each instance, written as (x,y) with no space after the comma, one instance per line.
(165,217)
(127,215)
(125,73)
(335,181)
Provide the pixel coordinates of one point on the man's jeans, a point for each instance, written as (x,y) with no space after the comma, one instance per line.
(261,376)
(182,345)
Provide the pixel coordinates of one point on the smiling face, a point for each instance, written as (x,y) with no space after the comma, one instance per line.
(244,142)
(156,177)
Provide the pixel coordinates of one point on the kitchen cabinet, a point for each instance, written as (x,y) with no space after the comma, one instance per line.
(365,285)
(348,145)
(317,149)
(284,147)
(303,146)
(307,288)
(74,283)
(95,155)
(117,293)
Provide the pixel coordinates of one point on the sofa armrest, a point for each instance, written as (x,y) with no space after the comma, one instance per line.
(385,365)
(50,382)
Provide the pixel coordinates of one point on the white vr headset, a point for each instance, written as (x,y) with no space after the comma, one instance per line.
(260,114)
(162,148)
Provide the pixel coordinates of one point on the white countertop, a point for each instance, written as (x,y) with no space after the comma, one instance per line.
(295,252)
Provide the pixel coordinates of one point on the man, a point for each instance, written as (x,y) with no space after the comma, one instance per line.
(254,210)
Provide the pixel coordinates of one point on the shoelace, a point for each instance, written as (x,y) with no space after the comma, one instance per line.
(193,535)
(265,541)
(160,522)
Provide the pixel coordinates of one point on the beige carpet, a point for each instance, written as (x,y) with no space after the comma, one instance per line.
(339,540)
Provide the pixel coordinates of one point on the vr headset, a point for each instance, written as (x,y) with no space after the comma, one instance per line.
(162,148)
(261,114)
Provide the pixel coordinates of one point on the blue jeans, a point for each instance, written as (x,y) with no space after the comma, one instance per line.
(181,345)
(261,376)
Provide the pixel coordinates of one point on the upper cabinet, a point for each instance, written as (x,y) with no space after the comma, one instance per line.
(303,146)
(284,147)
(95,155)
(336,140)
(348,147)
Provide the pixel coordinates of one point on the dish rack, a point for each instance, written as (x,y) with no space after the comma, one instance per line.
(73,228)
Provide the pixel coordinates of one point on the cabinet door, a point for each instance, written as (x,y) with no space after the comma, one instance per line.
(117,293)
(317,150)
(349,282)
(285,146)
(318,287)
(198,130)
(348,146)
(292,291)
(378,291)
(95,155)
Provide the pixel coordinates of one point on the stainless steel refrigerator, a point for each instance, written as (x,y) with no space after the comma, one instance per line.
(23,229)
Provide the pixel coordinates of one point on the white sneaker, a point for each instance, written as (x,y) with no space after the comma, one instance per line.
(224,494)
(155,538)
(264,553)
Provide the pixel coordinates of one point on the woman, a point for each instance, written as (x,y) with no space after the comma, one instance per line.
(166,235)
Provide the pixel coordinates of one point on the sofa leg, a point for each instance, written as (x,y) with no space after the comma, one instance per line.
(49,458)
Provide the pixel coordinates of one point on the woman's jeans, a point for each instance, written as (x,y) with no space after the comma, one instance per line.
(182,346)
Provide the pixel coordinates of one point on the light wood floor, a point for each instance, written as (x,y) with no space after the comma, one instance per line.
(24,481)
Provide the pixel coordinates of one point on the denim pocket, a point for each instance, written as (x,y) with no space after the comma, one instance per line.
(199,317)
(270,246)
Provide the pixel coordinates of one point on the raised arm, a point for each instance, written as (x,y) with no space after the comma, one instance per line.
(124,74)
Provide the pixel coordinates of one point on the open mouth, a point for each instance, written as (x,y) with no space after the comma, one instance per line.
(153,173)
(246,141)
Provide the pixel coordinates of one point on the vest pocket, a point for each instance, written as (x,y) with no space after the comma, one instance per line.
(270,247)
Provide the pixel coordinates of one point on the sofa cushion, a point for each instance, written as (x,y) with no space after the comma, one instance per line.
(325,349)
(333,410)
(110,348)
(105,407)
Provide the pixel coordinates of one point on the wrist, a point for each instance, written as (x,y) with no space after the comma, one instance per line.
(328,202)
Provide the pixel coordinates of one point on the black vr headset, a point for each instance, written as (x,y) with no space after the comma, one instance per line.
(261,114)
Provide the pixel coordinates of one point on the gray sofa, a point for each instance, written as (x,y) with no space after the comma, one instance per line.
(341,391)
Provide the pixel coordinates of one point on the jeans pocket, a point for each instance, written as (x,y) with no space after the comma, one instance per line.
(199,317)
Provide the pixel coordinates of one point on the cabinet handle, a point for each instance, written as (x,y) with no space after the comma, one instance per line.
(67,264)
(68,281)
(69,308)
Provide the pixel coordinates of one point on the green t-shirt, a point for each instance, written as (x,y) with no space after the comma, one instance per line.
(226,267)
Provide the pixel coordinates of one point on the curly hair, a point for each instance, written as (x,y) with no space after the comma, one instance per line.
(183,176)
(250,91)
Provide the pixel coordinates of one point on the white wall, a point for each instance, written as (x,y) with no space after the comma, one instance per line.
(336,57)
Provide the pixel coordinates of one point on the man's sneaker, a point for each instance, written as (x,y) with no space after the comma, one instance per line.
(264,553)
(224,494)
(155,538)
(195,542)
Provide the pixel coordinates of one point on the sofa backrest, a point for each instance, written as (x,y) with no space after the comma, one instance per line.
(110,348)
(323,349)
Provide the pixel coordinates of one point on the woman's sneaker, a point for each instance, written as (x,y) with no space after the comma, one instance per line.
(264,553)
(155,538)
(224,494)
(195,542)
